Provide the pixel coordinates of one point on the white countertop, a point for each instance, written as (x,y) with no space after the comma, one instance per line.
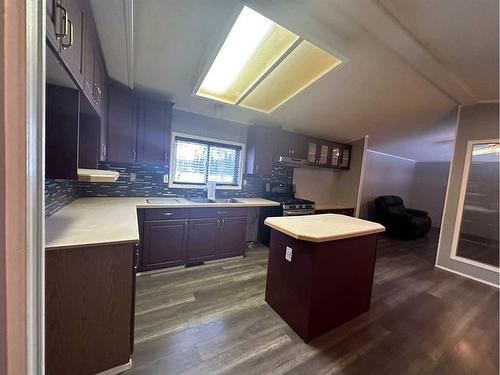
(100,220)
(323,228)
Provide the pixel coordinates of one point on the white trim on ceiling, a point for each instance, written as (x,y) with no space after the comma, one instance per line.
(128,16)
(391,156)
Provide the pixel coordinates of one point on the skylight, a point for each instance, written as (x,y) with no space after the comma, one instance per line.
(261,65)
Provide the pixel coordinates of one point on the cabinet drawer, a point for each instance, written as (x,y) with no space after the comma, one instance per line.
(200,213)
(166,213)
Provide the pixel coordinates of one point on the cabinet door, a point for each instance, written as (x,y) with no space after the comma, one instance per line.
(202,241)
(89,43)
(261,149)
(122,125)
(346,157)
(164,244)
(311,152)
(335,156)
(100,85)
(53,10)
(72,43)
(231,237)
(299,146)
(323,154)
(153,131)
(89,140)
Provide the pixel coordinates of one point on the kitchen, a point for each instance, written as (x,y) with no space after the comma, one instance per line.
(163,221)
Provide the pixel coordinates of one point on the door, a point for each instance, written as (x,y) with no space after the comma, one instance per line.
(72,43)
(298,146)
(202,241)
(153,131)
(122,125)
(164,244)
(231,237)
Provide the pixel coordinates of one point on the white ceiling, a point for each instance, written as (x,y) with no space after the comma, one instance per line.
(400,91)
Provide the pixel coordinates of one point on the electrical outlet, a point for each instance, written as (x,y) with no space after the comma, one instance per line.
(288,253)
(133,177)
(165,178)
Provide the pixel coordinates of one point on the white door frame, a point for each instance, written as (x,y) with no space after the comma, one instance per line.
(35,176)
(460,209)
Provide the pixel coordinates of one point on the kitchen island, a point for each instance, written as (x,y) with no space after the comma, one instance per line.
(320,270)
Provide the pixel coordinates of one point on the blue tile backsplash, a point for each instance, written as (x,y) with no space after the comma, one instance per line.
(148,183)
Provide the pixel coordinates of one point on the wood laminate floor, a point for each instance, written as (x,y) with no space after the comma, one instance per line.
(213,319)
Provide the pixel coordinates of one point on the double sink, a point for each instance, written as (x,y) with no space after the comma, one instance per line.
(193,200)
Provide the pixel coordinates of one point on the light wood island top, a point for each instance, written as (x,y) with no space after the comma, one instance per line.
(113,220)
(323,228)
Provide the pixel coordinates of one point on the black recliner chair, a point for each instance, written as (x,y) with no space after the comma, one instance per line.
(401,222)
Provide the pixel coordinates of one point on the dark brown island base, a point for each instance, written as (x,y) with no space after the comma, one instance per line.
(320,270)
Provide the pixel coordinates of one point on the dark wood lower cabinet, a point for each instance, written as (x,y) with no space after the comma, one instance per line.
(195,238)
(231,237)
(202,240)
(89,298)
(164,243)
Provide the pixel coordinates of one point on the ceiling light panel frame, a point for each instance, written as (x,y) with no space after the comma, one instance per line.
(254,48)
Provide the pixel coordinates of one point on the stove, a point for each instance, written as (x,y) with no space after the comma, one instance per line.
(290,205)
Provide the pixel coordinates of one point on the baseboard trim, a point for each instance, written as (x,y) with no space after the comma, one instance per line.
(467,276)
(117,369)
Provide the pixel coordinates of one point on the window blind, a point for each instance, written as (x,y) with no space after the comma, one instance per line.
(198,161)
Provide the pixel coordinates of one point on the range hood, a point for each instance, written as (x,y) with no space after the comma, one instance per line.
(292,162)
(97,175)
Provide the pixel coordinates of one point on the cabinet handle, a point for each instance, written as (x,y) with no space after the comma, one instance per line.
(223,224)
(63,19)
(134,155)
(165,158)
(98,97)
(71,37)
(168,213)
(221,212)
(218,224)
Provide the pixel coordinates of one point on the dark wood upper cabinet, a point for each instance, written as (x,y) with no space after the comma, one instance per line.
(71,50)
(61,132)
(262,145)
(153,131)
(89,140)
(165,244)
(122,125)
(202,240)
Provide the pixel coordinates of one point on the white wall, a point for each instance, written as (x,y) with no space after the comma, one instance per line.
(385,175)
(429,189)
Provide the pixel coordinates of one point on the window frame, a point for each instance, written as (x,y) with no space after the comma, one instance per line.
(222,142)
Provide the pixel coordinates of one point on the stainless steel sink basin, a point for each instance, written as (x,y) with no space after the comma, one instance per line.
(206,200)
(168,200)
(201,200)
(228,200)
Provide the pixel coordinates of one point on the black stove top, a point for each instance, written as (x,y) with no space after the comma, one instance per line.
(291,201)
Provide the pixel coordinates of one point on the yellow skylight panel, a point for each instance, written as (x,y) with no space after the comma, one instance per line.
(303,66)
(253,45)
(261,65)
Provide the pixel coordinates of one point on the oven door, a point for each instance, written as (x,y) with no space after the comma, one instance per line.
(306,211)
